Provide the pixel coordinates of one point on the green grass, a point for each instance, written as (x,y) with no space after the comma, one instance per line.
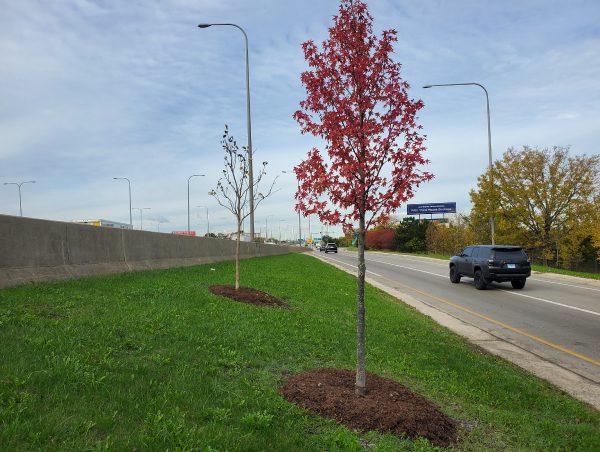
(153,360)
(561,271)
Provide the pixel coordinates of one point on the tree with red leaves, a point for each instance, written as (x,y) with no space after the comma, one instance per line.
(358,104)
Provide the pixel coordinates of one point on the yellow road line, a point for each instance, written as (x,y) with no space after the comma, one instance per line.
(504,325)
(491,320)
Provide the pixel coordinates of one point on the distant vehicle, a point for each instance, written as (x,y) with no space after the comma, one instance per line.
(489,263)
(330,248)
(322,246)
(270,243)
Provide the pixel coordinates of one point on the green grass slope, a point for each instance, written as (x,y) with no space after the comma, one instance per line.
(153,360)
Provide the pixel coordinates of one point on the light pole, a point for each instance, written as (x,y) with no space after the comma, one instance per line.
(193,175)
(129,183)
(280,229)
(207,221)
(489,130)
(267,226)
(18,184)
(141,209)
(299,226)
(249,125)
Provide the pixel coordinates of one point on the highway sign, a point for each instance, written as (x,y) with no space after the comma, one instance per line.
(421,209)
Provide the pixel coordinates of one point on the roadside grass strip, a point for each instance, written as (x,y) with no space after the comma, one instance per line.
(153,360)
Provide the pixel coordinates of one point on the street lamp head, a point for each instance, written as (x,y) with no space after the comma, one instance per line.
(204,25)
(427,86)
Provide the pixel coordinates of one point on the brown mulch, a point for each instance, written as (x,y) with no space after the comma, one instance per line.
(389,407)
(248,295)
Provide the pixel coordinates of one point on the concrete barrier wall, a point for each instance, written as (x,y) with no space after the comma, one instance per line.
(43,250)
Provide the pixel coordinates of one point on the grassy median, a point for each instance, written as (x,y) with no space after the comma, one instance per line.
(153,360)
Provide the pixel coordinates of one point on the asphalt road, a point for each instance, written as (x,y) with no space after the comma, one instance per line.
(555,317)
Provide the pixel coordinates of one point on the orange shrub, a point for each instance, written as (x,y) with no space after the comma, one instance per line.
(380,239)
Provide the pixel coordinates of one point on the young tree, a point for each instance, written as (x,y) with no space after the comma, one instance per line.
(358,104)
(544,197)
(233,188)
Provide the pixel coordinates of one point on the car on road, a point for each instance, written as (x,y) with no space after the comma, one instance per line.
(322,246)
(330,248)
(491,263)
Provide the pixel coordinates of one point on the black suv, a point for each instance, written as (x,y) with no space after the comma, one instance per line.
(487,263)
(331,248)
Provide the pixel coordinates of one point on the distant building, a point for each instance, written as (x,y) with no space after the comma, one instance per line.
(105,223)
(244,236)
(190,233)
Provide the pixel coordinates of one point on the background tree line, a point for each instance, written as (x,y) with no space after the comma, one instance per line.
(542,199)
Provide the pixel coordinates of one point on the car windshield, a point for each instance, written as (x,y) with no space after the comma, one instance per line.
(509,254)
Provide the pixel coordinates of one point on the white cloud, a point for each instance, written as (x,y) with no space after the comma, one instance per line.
(94,90)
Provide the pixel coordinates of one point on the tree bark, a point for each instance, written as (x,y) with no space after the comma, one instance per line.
(237,258)
(361,378)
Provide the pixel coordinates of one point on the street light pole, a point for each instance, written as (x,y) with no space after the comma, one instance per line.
(129,183)
(193,175)
(299,226)
(141,220)
(267,226)
(249,126)
(18,184)
(489,130)
(207,221)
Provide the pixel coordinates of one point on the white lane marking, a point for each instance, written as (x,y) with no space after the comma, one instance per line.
(587,311)
(551,302)
(565,284)
(354,266)
(409,268)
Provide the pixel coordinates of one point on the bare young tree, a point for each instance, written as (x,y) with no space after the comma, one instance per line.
(233,188)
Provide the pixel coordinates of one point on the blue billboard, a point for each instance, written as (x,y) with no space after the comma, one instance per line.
(422,209)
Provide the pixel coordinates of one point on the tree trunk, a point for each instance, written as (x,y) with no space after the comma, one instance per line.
(237,258)
(361,378)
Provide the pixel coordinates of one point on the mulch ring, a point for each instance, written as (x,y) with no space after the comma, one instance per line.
(388,407)
(248,295)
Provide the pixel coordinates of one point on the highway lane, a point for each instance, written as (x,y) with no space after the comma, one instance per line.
(556,318)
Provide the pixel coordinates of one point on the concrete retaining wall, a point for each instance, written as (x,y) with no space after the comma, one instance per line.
(42,250)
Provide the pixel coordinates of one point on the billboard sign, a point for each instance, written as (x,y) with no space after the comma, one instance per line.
(421,209)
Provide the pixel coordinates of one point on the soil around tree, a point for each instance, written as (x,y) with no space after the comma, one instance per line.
(248,295)
(389,407)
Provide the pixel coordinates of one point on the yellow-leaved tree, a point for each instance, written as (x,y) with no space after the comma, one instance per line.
(543,199)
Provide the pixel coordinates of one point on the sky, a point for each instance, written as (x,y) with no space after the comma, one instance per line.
(92,90)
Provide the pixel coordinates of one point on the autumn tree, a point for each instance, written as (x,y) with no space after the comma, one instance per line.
(542,198)
(452,237)
(357,102)
(232,191)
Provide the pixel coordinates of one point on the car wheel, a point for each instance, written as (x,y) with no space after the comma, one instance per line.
(454,276)
(480,283)
(336,252)
(518,284)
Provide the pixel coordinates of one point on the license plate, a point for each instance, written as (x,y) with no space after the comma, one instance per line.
(511,265)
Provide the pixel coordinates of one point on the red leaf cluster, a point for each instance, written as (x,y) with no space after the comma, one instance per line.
(380,239)
(358,104)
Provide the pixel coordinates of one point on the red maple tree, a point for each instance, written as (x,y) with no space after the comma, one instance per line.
(358,104)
